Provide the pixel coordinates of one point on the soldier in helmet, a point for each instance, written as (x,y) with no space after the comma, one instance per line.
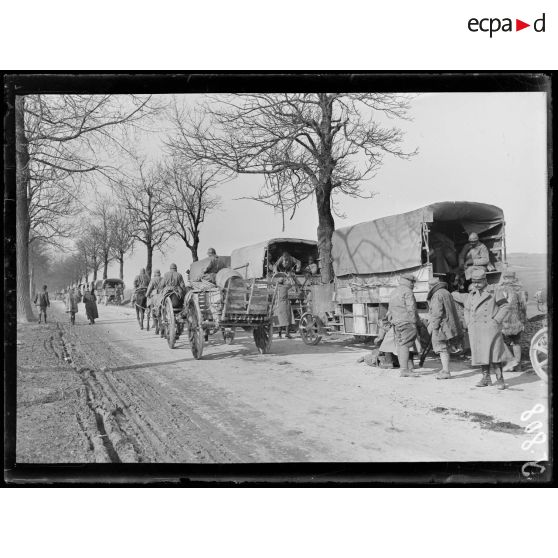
(402,313)
(172,280)
(484,314)
(213,267)
(152,292)
(514,322)
(474,255)
(140,282)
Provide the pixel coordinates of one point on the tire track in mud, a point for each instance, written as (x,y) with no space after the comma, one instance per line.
(96,415)
(220,432)
(167,418)
(131,426)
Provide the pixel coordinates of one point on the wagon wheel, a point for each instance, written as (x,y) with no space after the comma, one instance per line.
(310,328)
(171,324)
(162,320)
(228,335)
(195,329)
(538,353)
(263,338)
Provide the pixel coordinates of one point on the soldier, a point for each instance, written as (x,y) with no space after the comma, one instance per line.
(42,301)
(140,282)
(484,314)
(286,264)
(442,253)
(402,313)
(72,299)
(172,280)
(152,292)
(444,324)
(312,267)
(213,267)
(514,322)
(282,311)
(474,255)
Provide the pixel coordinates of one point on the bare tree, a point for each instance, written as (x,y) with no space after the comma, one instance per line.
(88,250)
(189,196)
(143,197)
(122,236)
(59,138)
(307,145)
(39,264)
(102,213)
(51,203)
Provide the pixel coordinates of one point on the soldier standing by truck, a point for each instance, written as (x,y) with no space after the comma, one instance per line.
(402,313)
(484,314)
(514,322)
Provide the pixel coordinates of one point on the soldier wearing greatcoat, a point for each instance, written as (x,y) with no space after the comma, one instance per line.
(484,314)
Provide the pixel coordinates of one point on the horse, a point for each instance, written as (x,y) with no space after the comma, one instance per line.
(141,306)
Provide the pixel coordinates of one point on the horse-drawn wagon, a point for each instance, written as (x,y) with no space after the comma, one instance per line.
(109,291)
(207,309)
(257,262)
(368,259)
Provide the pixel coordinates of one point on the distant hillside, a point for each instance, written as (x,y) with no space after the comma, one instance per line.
(531,270)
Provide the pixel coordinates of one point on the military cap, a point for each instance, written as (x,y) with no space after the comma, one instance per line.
(173,266)
(473,236)
(157,272)
(211,251)
(409,277)
(478,274)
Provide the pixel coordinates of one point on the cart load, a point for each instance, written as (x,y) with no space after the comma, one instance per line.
(233,302)
(197,268)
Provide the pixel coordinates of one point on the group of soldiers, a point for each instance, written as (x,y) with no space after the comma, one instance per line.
(484,320)
(492,319)
(157,286)
(172,282)
(289,264)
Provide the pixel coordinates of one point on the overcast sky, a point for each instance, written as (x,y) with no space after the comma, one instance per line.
(483,147)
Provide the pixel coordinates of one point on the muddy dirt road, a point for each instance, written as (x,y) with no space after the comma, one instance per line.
(148,403)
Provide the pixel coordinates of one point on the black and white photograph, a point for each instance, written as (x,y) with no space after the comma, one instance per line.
(258,270)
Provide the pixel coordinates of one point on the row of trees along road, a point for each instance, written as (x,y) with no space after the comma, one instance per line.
(59,139)
(304,145)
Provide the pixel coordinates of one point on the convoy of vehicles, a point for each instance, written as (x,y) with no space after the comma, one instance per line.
(368,259)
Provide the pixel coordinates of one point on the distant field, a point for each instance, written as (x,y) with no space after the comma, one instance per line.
(531,269)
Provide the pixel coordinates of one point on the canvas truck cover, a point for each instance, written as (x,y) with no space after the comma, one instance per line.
(249,260)
(394,243)
(196,268)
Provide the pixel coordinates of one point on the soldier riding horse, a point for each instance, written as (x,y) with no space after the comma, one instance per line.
(141,283)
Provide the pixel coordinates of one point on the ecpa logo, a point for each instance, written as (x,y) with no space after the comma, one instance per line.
(492,25)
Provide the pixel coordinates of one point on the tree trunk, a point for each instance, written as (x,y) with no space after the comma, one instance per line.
(32,289)
(121,261)
(149,260)
(194,247)
(24,310)
(326,226)
(95,269)
(105,269)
